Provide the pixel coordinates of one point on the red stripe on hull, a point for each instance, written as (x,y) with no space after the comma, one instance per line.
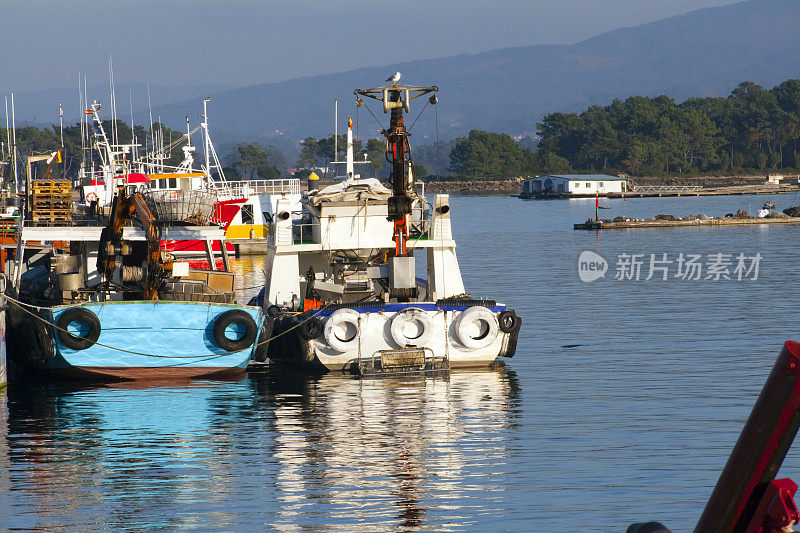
(195,247)
(100,373)
(226,210)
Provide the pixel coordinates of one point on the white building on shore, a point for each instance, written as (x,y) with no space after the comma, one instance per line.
(573,185)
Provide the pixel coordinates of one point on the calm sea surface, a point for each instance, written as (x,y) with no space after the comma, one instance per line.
(633,424)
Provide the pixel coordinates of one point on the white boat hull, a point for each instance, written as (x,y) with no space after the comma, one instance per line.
(350,336)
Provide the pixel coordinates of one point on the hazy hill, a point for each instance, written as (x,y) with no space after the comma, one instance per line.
(41,107)
(703,53)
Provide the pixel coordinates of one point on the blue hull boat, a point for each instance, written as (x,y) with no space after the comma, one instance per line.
(114,306)
(152,340)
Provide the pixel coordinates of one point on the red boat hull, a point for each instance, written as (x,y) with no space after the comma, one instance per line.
(195,247)
(99,373)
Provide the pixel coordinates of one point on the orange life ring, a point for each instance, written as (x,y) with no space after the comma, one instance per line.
(91,197)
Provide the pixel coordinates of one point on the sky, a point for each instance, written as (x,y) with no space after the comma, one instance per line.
(46,43)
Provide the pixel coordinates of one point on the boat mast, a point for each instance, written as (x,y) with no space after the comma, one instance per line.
(206,140)
(14,145)
(61,128)
(396,99)
(8,141)
(335,130)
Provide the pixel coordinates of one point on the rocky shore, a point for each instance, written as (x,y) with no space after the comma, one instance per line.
(512,185)
(505,186)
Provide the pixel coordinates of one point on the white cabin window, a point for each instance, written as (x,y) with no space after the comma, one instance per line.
(577,185)
(600,184)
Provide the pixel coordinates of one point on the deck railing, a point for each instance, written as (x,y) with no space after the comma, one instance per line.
(245,189)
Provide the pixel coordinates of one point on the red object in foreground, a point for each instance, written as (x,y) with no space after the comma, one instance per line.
(747,498)
(777,510)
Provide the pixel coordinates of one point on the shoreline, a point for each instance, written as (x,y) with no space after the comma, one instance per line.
(711,185)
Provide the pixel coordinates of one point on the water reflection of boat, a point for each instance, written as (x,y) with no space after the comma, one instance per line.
(393,448)
(295,451)
(117,456)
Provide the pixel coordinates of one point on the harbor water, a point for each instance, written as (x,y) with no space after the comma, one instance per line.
(622,403)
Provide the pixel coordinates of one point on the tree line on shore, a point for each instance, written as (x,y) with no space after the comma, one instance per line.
(752,130)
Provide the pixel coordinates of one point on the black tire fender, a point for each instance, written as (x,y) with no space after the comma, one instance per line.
(235,316)
(311,328)
(261,351)
(78,314)
(508,321)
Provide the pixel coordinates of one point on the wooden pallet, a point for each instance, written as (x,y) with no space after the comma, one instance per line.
(47,221)
(39,204)
(52,207)
(51,190)
(49,187)
(64,213)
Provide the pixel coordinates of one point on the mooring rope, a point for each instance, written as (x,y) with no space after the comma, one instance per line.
(23,306)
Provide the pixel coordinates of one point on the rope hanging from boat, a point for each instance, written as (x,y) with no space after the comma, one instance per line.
(23,306)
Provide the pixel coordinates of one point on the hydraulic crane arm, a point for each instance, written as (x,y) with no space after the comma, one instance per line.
(112,245)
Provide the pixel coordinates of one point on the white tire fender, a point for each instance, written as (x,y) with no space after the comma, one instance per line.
(411,319)
(342,331)
(476,327)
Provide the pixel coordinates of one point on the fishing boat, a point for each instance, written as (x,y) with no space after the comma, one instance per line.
(117,306)
(243,208)
(341,291)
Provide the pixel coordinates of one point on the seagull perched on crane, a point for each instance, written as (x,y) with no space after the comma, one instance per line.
(395,77)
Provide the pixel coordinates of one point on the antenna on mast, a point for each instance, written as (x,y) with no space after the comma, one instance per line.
(61,125)
(208,148)
(335,129)
(114,132)
(205,137)
(82,112)
(8,132)
(150,107)
(14,145)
